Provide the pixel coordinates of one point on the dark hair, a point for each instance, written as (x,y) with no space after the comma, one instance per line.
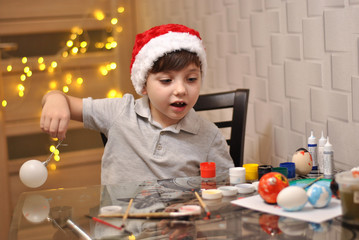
(175,61)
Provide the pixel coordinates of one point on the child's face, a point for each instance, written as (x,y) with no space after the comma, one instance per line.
(172,94)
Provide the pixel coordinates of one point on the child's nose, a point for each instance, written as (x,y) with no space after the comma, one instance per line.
(180,88)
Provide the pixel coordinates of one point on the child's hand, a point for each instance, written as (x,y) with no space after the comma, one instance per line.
(55,114)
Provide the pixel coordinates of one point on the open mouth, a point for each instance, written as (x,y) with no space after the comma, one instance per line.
(178,104)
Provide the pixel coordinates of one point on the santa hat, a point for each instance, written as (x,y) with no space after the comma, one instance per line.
(156,42)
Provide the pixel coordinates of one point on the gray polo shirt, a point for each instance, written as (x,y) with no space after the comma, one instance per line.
(138,148)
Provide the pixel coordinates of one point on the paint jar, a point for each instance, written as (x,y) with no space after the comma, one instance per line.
(282,170)
(237,175)
(349,195)
(251,171)
(208,169)
(263,169)
(291,168)
(208,175)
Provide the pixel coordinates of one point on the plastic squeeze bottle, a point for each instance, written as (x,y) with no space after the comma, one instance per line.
(321,144)
(328,160)
(312,149)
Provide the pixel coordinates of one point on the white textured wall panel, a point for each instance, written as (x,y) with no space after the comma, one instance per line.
(296,11)
(355,98)
(342,71)
(313,38)
(337,28)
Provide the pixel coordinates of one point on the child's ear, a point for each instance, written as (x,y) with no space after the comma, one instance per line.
(144,90)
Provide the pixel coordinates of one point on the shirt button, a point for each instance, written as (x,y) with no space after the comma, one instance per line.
(159,147)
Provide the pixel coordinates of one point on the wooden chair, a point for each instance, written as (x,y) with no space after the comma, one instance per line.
(238,101)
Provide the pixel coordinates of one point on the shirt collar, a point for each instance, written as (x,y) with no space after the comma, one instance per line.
(190,123)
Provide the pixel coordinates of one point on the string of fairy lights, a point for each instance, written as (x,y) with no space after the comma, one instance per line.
(77,43)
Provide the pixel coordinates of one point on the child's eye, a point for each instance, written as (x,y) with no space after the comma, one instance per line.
(192,79)
(165,80)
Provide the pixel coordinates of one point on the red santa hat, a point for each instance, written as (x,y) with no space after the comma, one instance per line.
(156,42)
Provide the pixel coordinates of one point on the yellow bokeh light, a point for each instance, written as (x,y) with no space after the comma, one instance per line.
(54,64)
(26,69)
(103,70)
(113,93)
(99,15)
(65,54)
(110,39)
(113,44)
(24,60)
(40,60)
(57,158)
(29,73)
(53,85)
(73,36)
(50,69)
(108,46)
(56,152)
(52,148)
(65,89)
(22,77)
(113,65)
(20,87)
(79,81)
(69,43)
(83,50)
(74,50)
(119,29)
(114,21)
(9,68)
(99,45)
(21,93)
(120,9)
(4,103)
(108,67)
(83,44)
(68,81)
(52,166)
(42,67)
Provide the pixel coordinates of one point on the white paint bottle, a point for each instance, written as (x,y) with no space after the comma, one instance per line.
(321,144)
(312,149)
(328,160)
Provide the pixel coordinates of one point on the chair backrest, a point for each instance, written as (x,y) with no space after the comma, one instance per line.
(238,100)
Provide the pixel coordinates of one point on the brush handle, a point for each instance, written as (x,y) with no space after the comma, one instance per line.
(150,215)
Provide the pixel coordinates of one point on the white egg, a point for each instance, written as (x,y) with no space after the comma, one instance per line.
(33,173)
(292,198)
(36,208)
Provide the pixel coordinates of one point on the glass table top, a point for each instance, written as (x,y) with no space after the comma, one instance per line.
(64,214)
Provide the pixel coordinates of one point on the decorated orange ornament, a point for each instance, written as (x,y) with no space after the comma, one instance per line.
(270,185)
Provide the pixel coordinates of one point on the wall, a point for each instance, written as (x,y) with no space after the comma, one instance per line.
(299,58)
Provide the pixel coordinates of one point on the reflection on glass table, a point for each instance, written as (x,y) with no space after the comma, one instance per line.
(63,214)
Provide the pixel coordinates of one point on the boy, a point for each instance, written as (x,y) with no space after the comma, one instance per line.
(159,135)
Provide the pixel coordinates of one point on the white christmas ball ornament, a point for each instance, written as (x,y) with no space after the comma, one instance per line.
(33,173)
(36,208)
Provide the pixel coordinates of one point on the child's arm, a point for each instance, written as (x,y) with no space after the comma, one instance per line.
(57,110)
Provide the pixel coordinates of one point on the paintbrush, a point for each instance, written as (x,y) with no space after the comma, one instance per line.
(108,224)
(125,216)
(312,182)
(159,215)
(104,222)
(203,205)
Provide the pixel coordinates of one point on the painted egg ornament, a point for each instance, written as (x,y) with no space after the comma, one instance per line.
(292,198)
(319,195)
(270,185)
(303,161)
